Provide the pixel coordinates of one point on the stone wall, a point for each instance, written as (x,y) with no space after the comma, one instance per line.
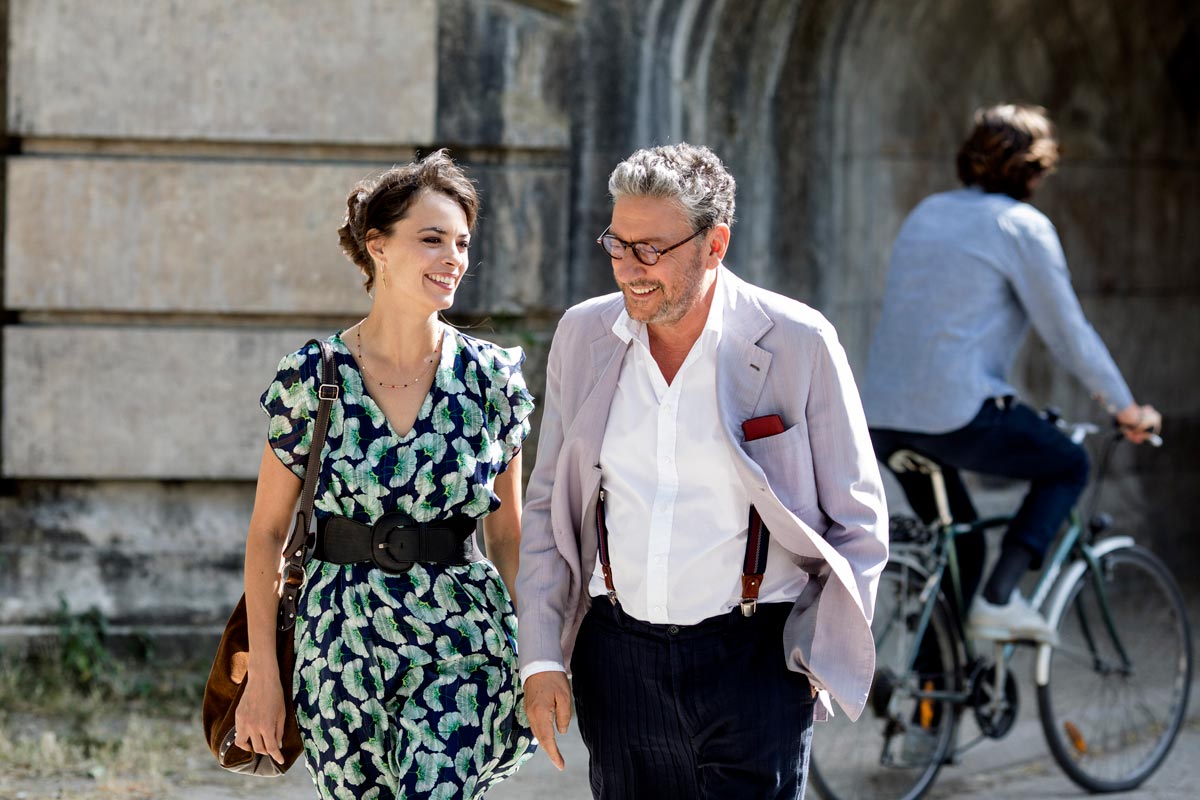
(837,117)
(176,173)
(176,169)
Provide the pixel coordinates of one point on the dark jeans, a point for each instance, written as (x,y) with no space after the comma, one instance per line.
(691,711)
(1008,439)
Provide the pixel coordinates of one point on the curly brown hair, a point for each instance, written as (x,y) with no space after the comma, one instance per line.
(1009,146)
(376,204)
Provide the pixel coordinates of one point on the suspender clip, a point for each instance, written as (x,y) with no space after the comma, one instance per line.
(749,605)
(612,596)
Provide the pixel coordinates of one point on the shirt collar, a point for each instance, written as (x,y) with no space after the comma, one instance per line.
(628,329)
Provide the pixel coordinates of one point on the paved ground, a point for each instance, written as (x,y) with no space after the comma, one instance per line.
(1001,779)
(1015,768)
(1012,769)
(1019,768)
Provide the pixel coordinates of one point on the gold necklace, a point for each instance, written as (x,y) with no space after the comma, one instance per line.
(362,364)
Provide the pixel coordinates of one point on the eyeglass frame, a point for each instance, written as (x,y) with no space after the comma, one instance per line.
(632,246)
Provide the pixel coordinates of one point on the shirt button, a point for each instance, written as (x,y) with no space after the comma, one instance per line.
(657,609)
(666,459)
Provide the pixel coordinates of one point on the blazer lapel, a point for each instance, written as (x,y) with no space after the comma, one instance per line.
(587,435)
(741,364)
(590,417)
(607,355)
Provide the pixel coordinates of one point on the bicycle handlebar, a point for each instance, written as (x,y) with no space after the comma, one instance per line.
(1078,431)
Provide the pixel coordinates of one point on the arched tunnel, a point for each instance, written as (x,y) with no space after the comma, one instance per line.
(838,117)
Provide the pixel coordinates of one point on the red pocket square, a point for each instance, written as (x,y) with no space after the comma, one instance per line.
(762,427)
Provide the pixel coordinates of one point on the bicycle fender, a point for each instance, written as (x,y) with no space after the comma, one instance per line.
(1058,600)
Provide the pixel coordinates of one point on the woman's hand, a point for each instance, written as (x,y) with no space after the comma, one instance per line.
(1139,423)
(260,717)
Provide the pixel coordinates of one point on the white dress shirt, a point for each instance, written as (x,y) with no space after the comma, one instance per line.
(676,512)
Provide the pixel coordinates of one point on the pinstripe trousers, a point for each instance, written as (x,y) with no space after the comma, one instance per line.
(691,711)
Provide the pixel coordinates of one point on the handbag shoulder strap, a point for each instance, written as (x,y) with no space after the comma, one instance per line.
(327,393)
(299,545)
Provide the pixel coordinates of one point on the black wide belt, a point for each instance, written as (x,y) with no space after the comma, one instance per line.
(395,542)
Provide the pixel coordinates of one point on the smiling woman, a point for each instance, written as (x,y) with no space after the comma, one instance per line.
(405,679)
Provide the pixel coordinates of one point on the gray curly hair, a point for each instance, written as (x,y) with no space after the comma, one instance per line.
(689,174)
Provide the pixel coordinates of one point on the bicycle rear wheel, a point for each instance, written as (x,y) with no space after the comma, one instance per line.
(895,749)
(1110,721)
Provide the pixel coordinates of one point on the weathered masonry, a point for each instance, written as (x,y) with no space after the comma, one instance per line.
(176,170)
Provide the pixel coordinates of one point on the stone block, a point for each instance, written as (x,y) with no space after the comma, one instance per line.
(196,517)
(129,403)
(145,553)
(191,236)
(503,75)
(360,71)
(92,402)
(231,237)
(519,257)
(127,586)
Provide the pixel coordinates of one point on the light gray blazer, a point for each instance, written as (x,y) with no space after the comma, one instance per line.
(816,485)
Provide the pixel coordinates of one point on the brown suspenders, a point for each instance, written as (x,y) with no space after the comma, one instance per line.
(753,565)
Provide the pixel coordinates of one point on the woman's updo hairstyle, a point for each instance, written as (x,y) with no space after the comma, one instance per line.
(1008,147)
(375,205)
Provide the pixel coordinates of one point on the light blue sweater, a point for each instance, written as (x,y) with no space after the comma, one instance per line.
(970,271)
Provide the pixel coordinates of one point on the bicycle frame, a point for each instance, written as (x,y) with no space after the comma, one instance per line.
(1073,552)
(1088,560)
(1083,593)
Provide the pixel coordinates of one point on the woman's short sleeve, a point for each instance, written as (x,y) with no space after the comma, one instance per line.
(291,403)
(509,401)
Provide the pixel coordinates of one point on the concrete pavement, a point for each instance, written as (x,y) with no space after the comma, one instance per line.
(1015,768)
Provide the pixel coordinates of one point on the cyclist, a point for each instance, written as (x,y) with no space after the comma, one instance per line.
(971,270)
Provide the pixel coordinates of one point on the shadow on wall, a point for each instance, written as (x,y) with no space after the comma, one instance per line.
(836,118)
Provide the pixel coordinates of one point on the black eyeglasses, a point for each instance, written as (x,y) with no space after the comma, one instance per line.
(646,253)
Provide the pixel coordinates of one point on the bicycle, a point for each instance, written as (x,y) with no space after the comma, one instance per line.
(1112,693)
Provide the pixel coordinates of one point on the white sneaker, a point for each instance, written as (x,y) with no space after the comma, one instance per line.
(1014,621)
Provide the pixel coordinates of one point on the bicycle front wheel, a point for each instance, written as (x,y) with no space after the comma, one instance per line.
(1117,694)
(897,746)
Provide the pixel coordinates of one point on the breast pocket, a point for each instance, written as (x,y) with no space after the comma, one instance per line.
(786,458)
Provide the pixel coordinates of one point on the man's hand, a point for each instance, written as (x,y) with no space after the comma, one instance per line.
(1138,423)
(547,704)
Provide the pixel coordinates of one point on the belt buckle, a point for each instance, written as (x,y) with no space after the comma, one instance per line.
(381,532)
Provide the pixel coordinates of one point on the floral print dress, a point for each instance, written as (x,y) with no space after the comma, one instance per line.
(406,685)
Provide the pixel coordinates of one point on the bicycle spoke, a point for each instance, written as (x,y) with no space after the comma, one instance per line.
(1110,723)
(895,749)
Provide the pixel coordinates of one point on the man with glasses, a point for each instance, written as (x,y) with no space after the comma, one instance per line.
(705,522)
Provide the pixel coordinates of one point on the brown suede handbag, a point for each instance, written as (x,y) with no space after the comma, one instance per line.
(227,679)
